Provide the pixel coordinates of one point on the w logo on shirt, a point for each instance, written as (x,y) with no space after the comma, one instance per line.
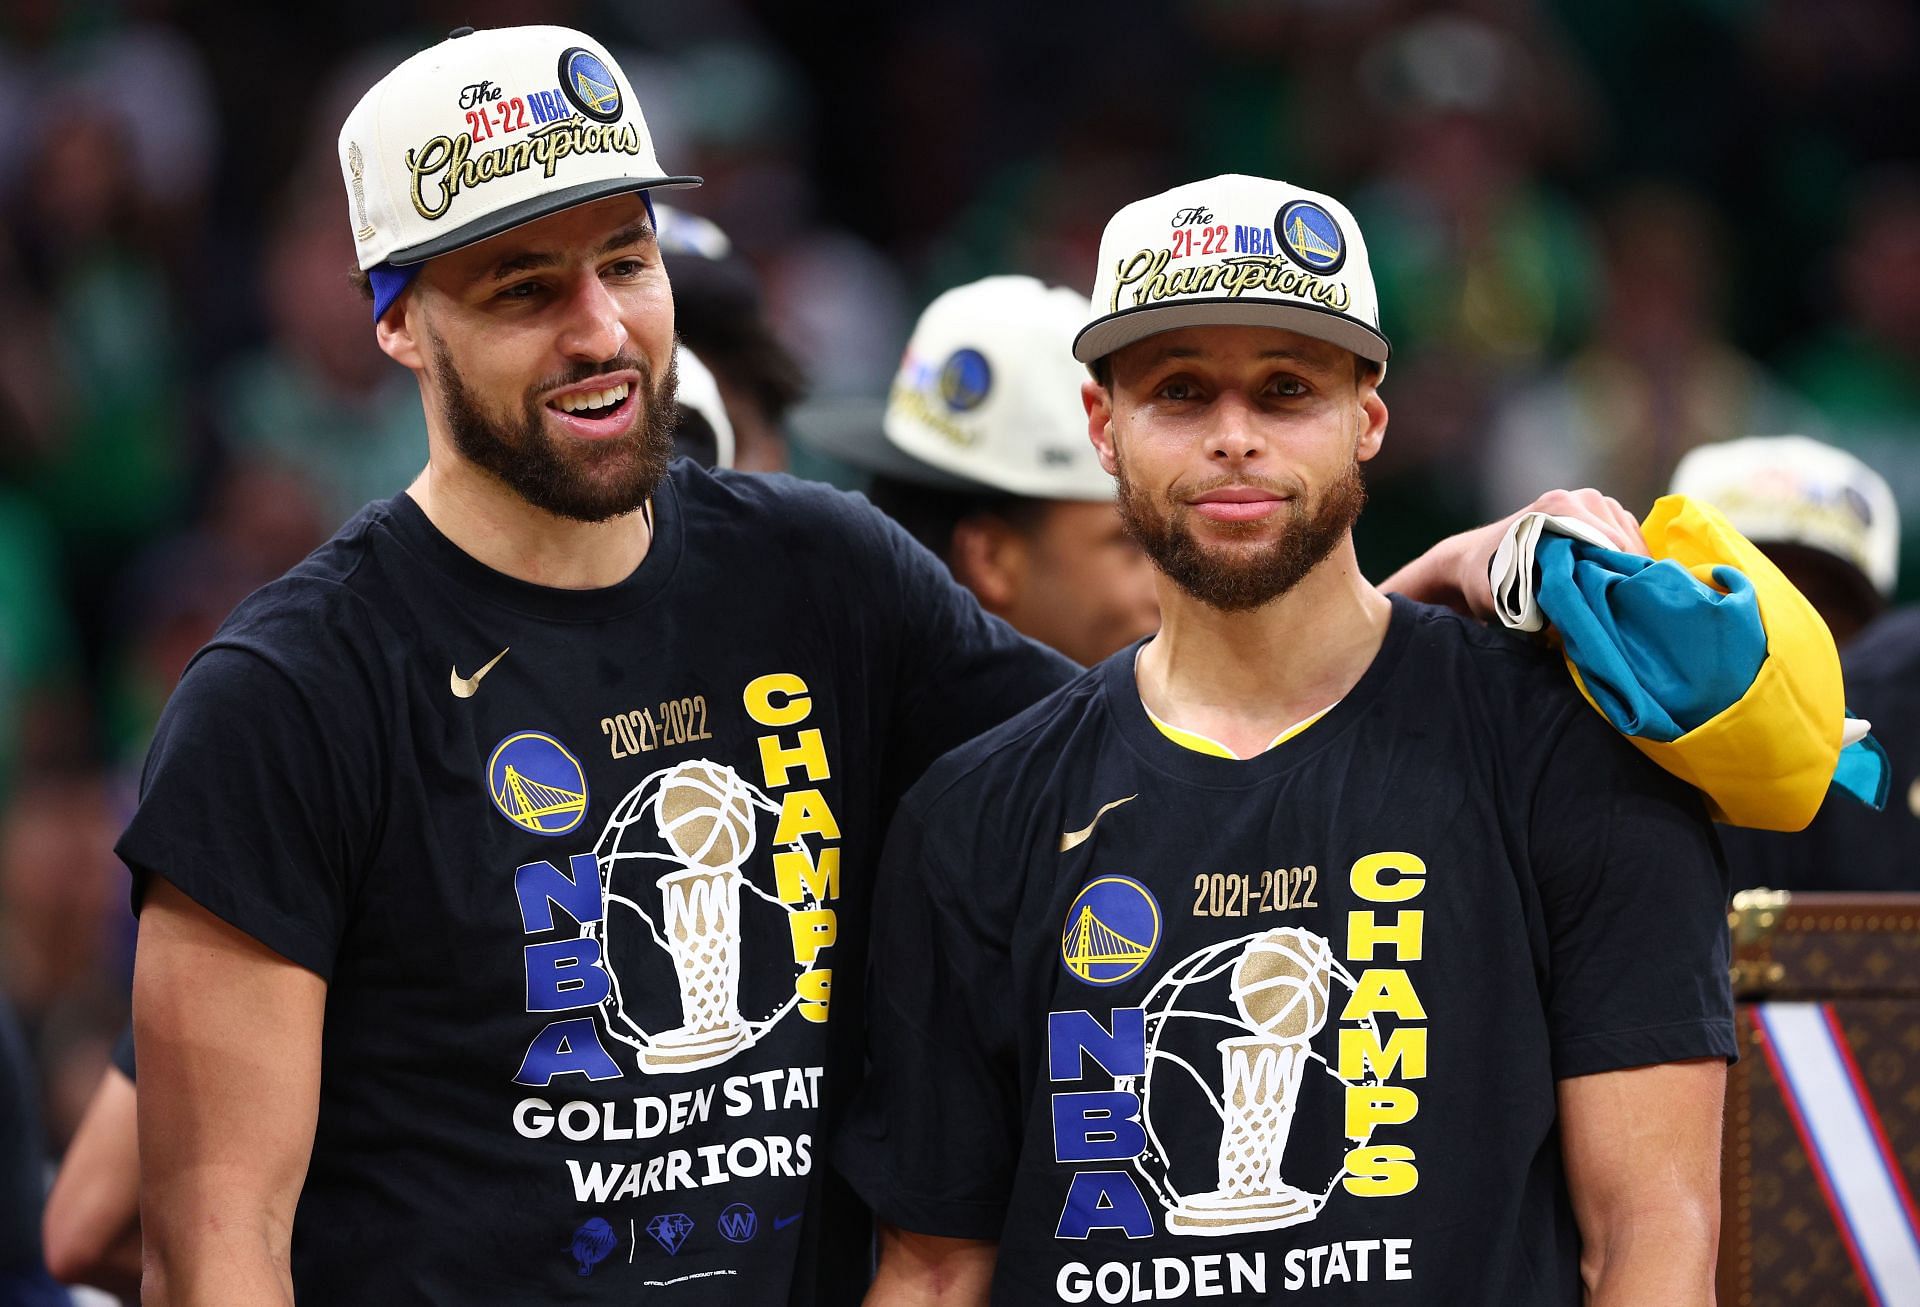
(738,1223)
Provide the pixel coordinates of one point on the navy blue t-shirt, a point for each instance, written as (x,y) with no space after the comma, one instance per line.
(1849,846)
(586,872)
(1172,1026)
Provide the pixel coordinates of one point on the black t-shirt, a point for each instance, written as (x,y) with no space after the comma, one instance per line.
(1173,1026)
(23,1162)
(1849,846)
(582,869)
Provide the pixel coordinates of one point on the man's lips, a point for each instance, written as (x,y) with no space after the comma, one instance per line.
(1237,503)
(609,406)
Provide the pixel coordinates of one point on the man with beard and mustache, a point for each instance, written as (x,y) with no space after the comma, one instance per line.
(1322,941)
(496,866)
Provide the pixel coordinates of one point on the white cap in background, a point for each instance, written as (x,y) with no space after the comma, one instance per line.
(1795,491)
(988,392)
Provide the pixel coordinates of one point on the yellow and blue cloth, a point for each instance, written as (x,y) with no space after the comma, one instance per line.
(1710,662)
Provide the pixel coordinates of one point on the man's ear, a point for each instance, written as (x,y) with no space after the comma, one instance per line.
(1099,404)
(1373,413)
(400,336)
(989,557)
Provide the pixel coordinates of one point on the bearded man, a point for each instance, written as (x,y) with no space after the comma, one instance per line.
(1323,942)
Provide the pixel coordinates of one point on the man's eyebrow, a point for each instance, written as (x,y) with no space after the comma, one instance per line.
(513,265)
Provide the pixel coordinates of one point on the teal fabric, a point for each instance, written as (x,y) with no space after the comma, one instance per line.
(1864,772)
(1660,651)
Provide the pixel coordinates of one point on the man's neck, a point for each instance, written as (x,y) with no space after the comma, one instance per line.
(1242,678)
(494,525)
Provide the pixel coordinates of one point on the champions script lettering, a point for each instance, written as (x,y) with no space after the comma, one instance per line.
(446,165)
(1231,277)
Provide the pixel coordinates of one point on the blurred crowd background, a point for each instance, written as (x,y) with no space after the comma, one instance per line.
(1603,234)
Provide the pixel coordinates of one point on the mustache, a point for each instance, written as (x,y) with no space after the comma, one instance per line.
(583,371)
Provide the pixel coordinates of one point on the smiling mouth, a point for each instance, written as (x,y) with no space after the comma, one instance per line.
(593,404)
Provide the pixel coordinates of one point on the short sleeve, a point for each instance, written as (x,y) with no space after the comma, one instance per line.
(258,802)
(1633,891)
(961,671)
(932,1140)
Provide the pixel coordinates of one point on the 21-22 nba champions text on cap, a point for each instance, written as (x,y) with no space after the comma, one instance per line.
(486,131)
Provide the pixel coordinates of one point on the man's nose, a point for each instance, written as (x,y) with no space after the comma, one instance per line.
(594,330)
(1234,435)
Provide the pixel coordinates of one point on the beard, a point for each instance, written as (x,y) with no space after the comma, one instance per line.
(1235,580)
(586,481)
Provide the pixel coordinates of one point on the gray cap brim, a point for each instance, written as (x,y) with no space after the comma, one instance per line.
(851,430)
(519,215)
(1105,335)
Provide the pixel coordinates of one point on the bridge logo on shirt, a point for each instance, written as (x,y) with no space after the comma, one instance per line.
(1259,1078)
(1112,930)
(537,784)
(593,1242)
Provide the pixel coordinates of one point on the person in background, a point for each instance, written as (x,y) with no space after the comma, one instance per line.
(1832,525)
(983,458)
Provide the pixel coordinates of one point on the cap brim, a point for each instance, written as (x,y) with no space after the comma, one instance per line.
(852,430)
(1102,337)
(519,215)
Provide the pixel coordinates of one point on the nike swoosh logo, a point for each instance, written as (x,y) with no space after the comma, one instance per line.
(464,686)
(1073,839)
(782,1222)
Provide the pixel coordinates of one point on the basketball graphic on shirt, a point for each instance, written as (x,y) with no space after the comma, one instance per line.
(691,918)
(1281,981)
(706,814)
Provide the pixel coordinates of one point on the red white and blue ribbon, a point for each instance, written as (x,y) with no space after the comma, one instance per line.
(1856,1167)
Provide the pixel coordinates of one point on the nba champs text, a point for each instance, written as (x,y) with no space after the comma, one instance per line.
(701,921)
(1263,1078)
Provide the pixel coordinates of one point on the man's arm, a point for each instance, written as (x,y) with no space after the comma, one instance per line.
(229,1038)
(924,1270)
(1453,573)
(1642,1148)
(91,1231)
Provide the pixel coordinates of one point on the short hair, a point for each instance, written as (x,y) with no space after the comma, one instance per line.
(931,516)
(361,282)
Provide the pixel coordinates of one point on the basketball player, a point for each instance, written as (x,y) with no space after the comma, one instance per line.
(1325,942)
(500,866)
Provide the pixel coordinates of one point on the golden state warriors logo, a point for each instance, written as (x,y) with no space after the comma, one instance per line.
(965,380)
(1311,237)
(536,784)
(1112,931)
(586,80)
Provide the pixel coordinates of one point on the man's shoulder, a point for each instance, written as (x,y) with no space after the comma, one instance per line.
(771,501)
(1031,744)
(1888,650)
(325,606)
(1506,670)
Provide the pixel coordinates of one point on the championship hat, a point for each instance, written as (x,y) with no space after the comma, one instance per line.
(484,132)
(988,392)
(1234,251)
(1790,490)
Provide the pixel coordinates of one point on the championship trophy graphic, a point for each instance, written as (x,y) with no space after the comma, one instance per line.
(705,815)
(1271,991)
(1280,988)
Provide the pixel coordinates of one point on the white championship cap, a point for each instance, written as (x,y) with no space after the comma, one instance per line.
(699,392)
(486,131)
(989,393)
(1234,251)
(1796,491)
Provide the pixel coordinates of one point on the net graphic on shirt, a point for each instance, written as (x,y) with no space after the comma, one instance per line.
(1090,942)
(691,828)
(1269,994)
(530,803)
